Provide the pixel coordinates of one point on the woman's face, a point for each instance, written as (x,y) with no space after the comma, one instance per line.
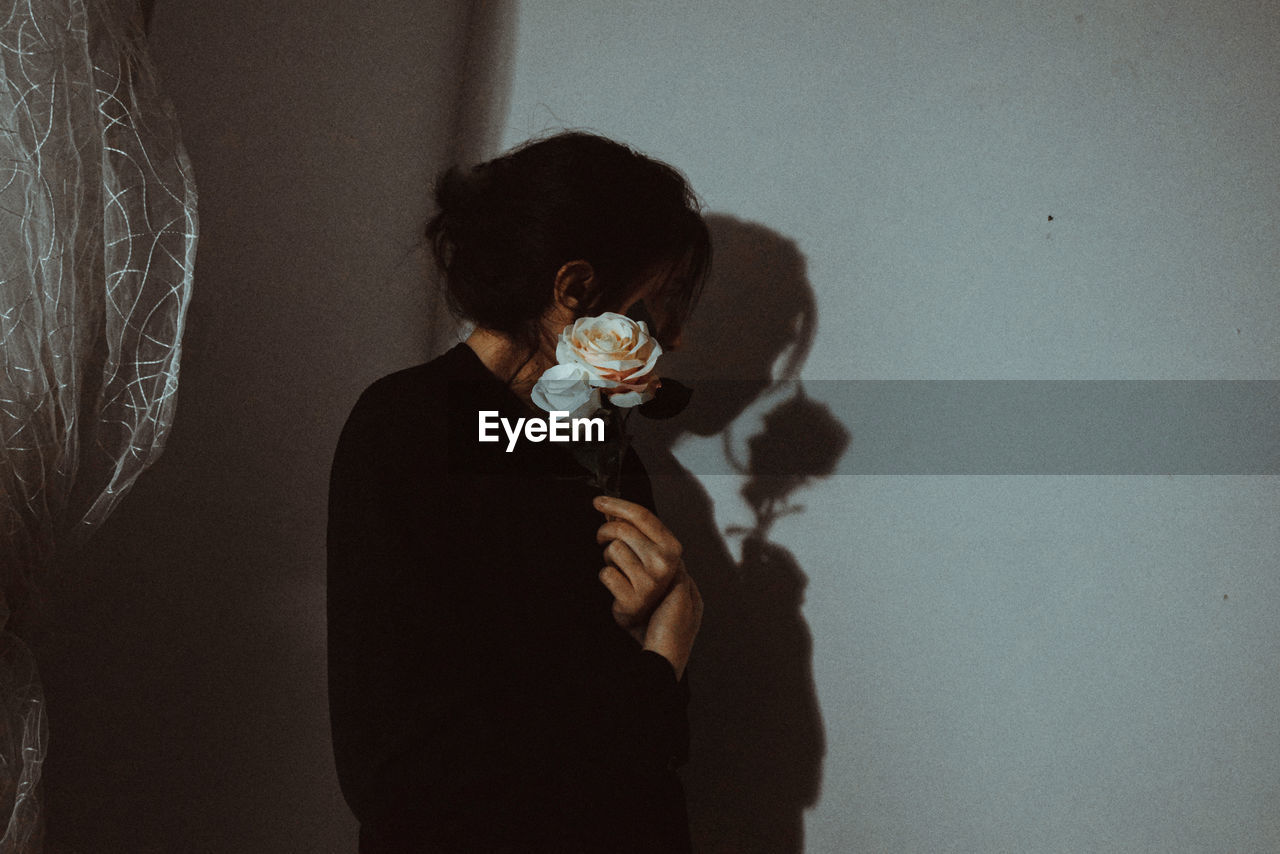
(642,305)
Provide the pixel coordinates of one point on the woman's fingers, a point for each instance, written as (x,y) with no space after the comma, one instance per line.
(645,550)
(643,519)
(635,591)
(644,560)
(618,584)
(620,555)
(628,610)
(657,561)
(648,571)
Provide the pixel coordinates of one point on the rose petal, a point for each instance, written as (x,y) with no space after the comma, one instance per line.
(613,349)
(627,399)
(563,388)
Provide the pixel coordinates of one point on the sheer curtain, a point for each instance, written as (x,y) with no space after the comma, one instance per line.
(97,243)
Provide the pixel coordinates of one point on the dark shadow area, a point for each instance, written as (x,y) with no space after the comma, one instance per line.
(757,735)
(182,648)
(483,100)
(485,91)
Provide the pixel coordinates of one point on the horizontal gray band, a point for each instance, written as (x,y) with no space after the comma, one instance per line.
(968,427)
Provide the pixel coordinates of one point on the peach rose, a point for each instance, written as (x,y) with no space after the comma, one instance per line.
(618,354)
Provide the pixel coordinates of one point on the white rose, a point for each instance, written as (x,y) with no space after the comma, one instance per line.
(566,388)
(617,353)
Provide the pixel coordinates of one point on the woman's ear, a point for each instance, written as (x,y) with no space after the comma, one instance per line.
(573,282)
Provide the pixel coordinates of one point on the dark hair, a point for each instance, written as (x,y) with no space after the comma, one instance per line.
(504,228)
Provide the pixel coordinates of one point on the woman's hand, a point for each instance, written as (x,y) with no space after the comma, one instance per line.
(653,596)
(643,557)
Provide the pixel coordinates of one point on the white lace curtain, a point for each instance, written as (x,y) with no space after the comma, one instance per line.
(97,243)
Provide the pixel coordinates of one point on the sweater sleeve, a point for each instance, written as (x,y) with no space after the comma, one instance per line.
(664,704)
(662,701)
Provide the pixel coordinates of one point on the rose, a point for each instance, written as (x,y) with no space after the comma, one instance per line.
(610,355)
(566,388)
(617,354)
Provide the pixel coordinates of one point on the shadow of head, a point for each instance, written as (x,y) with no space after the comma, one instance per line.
(757,753)
(753,325)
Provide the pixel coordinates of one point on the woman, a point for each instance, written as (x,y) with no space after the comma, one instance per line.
(506,647)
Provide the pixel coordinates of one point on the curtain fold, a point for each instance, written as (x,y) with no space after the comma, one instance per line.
(97,246)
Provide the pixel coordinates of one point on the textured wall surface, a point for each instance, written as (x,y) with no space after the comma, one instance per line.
(969,191)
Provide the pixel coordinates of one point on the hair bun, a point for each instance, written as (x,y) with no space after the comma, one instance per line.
(457,194)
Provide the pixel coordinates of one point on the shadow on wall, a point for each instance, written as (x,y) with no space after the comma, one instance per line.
(757,734)
(483,98)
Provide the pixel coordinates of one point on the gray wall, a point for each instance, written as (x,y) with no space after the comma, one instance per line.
(997,663)
(184,656)
(922,663)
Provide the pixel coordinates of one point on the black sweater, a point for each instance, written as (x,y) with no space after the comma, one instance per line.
(481,696)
